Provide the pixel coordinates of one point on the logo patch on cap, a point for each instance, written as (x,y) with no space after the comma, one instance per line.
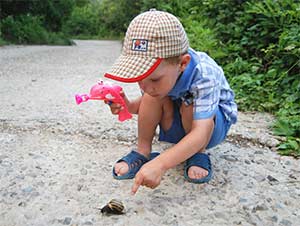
(140,45)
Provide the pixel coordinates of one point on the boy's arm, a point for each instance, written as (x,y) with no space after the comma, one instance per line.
(196,140)
(134,105)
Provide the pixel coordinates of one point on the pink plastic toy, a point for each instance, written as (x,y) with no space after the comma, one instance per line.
(106,91)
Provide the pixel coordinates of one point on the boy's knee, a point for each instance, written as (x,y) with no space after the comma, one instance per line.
(153,101)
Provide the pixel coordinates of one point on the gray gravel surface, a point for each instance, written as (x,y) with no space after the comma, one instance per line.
(56,157)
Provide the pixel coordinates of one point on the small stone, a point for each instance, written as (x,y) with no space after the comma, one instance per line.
(261,207)
(83,171)
(243,200)
(88,166)
(272,179)
(22,204)
(28,189)
(285,222)
(38,167)
(35,194)
(247,162)
(219,215)
(13,194)
(6,163)
(21,177)
(33,175)
(79,187)
(3,157)
(274,218)
(229,158)
(279,206)
(67,221)
(287,202)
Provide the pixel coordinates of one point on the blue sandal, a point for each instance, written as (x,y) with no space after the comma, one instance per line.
(202,160)
(135,161)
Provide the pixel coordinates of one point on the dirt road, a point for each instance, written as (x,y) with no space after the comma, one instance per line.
(56,157)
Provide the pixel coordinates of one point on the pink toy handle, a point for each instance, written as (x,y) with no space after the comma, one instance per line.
(124,115)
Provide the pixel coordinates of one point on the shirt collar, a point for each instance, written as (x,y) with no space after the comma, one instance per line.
(184,82)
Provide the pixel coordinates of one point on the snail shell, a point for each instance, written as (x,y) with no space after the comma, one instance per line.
(113,207)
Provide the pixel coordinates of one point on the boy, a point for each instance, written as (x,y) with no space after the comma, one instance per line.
(184,92)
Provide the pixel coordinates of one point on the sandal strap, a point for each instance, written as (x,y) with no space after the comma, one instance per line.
(201,160)
(135,161)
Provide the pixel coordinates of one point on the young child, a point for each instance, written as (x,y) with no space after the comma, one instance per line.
(184,92)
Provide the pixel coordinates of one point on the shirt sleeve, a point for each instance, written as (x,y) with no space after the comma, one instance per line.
(206,98)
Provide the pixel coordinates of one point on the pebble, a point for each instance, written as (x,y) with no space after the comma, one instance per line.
(20,177)
(27,189)
(229,158)
(261,207)
(259,178)
(242,200)
(247,162)
(67,221)
(274,219)
(272,179)
(285,222)
(83,171)
(22,204)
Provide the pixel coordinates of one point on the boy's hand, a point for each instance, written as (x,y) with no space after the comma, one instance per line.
(116,108)
(149,175)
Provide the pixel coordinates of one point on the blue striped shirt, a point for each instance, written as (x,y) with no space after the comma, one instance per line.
(203,83)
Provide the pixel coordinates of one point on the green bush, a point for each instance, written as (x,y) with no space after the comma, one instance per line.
(202,37)
(54,12)
(261,43)
(83,21)
(24,29)
(115,15)
(2,42)
(27,29)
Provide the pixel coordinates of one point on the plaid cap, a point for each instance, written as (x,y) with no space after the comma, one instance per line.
(150,37)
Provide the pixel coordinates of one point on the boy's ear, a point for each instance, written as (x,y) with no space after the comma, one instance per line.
(185,60)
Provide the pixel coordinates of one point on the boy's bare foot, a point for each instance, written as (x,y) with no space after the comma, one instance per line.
(121,168)
(196,172)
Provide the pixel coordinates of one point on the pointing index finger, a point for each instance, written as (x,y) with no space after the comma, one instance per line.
(137,183)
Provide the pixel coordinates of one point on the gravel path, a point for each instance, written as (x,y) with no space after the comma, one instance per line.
(56,157)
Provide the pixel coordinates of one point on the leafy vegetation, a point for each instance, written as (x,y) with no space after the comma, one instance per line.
(263,62)
(25,29)
(34,22)
(257,42)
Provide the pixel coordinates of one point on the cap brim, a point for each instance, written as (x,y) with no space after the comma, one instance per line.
(132,68)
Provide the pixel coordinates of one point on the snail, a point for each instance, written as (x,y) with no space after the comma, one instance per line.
(113,207)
